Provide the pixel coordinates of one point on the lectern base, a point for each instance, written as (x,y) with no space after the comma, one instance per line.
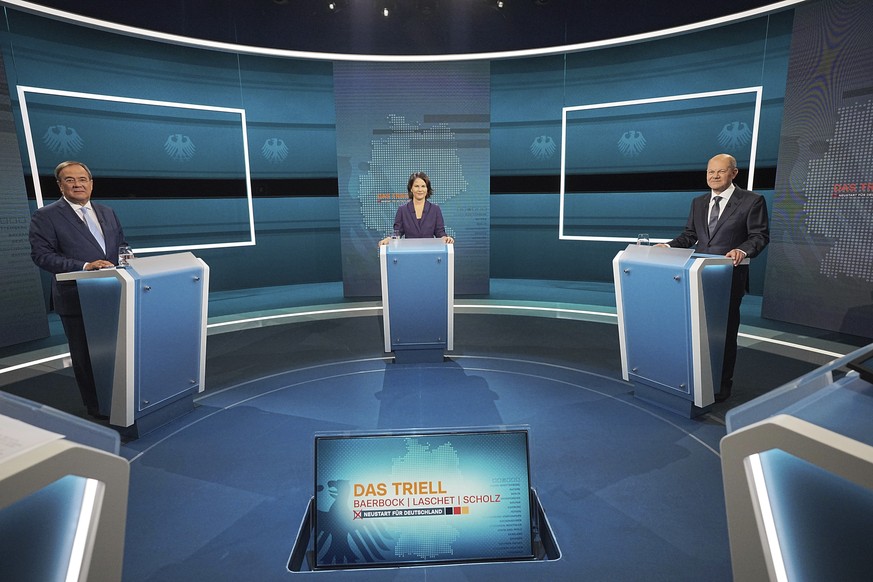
(430,356)
(668,401)
(164,415)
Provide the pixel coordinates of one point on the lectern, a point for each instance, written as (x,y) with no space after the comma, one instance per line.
(146,328)
(797,464)
(63,495)
(672,309)
(418,283)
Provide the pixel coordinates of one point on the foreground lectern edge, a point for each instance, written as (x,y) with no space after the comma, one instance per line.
(35,484)
(797,466)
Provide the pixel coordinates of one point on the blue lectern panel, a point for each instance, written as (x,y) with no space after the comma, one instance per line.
(844,406)
(168,335)
(417,284)
(38,532)
(716,282)
(100,300)
(841,507)
(656,308)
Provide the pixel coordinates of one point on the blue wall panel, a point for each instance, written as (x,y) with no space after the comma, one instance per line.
(291,122)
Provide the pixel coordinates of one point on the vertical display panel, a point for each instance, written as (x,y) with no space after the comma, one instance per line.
(392,120)
(820,261)
(22,309)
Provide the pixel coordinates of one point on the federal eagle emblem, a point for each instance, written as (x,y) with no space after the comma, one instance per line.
(341,539)
(543,147)
(734,135)
(61,139)
(631,143)
(274,150)
(179,147)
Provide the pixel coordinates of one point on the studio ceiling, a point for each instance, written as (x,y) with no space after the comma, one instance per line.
(412,27)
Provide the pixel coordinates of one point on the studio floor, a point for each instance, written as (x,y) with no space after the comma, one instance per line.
(630,491)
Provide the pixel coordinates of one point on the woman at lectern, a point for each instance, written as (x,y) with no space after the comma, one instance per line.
(419,218)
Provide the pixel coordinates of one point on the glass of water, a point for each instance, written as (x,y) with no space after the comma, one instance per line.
(125,253)
(643,239)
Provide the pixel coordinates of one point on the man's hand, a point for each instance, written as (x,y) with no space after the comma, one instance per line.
(736,255)
(99,264)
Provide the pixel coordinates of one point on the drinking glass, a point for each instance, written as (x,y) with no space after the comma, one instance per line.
(125,253)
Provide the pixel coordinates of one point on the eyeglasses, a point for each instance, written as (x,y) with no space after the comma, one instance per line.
(718,172)
(71,181)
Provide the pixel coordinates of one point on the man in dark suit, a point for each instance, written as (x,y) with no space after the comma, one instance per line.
(733,222)
(62,241)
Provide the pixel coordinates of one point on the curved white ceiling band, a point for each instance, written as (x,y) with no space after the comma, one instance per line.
(285,53)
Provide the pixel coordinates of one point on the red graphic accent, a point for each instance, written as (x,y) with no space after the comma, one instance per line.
(357,515)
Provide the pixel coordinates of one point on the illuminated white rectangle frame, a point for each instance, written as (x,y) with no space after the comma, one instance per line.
(31,152)
(758,91)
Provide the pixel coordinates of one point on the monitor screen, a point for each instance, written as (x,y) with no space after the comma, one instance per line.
(402,499)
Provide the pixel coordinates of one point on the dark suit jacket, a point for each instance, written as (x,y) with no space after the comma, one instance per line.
(60,242)
(743,225)
(431,224)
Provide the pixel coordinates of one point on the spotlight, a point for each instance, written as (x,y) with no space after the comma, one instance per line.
(500,4)
(387,8)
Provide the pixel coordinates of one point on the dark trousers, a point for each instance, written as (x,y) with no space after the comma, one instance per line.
(739,286)
(74,328)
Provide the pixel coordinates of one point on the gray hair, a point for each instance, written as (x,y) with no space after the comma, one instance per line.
(63,165)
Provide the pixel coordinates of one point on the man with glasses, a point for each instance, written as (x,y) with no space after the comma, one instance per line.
(733,222)
(74,234)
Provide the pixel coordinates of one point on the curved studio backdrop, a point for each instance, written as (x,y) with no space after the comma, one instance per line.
(213,150)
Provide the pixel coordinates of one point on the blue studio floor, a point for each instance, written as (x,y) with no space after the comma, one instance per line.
(631,492)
